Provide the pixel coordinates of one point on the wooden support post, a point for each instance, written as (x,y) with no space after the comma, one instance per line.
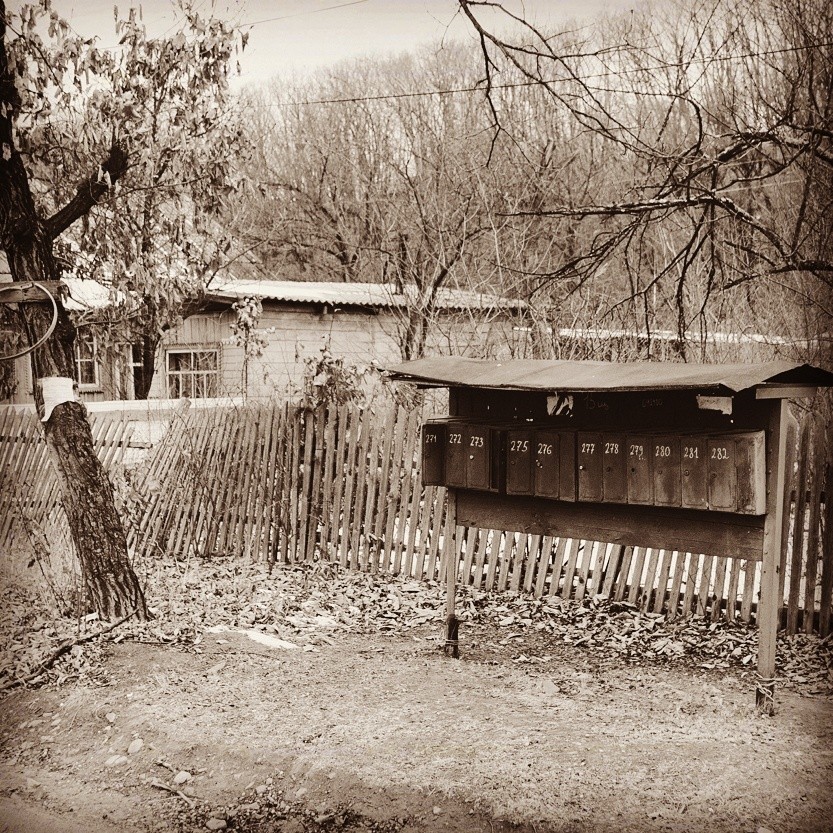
(452,644)
(769,602)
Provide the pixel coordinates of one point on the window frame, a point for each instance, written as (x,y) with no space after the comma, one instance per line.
(93,359)
(176,377)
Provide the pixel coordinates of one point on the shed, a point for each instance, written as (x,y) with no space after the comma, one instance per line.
(364,323)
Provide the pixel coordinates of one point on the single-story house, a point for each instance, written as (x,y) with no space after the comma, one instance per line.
(365,324)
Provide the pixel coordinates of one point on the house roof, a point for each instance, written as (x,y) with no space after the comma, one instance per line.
(85,294)
(336,293)
(592,376)
(82,294)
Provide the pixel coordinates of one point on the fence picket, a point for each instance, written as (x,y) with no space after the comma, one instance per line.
(673,605)
(719,586)
(812,559)
(534,561)
(694,562)
(393,493)
(360,475)
(705,583)
(347,506)
(544,563)
(662,581)
(827,554)
(558,561)
(480,558)
(328,480)
(650,579)
(798,531)
(624,574)
(519,556)
(285,522)
(411,476)
(367,501)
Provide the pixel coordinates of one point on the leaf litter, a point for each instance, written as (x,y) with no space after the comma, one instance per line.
(306,606)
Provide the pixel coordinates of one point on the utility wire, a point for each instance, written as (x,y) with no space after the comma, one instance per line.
(248,24)
(480,87)
(300,14)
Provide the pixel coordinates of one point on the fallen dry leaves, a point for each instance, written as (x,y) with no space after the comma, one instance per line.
(310,605)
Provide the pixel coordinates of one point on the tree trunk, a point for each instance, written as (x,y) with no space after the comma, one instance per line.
(145,372)
(111,585)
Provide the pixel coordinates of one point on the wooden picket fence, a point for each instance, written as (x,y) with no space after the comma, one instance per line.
(286,484)
(29,491)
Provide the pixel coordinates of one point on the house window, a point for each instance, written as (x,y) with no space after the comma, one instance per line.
(193,373)
(86,362)
(137,371)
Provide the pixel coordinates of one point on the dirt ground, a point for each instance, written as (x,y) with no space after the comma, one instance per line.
(383,732)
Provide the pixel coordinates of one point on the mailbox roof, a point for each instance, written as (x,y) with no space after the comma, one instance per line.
(567,376)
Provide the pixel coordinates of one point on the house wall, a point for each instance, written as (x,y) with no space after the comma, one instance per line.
(300,332)
(112,381)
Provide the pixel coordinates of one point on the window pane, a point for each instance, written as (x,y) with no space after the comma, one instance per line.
(205,360)
(179,361)
(86,373)
(85,361)
(193,373)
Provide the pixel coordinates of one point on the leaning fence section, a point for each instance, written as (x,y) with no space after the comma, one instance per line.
(280,483)
(30,507)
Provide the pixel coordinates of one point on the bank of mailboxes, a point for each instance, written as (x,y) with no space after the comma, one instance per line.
(722,472)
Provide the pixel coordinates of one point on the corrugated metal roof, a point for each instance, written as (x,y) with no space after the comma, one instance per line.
(690,336)
(87,294)
(355,294)
(578,376)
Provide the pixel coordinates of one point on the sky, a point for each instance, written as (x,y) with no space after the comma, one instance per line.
(289,37)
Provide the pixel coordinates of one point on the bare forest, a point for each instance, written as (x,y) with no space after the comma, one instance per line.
(665,172)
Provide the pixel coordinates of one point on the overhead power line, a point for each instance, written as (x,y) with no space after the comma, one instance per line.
(300,14)
(481,87)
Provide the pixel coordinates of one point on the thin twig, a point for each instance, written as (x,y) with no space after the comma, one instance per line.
(160,786)
(61,650)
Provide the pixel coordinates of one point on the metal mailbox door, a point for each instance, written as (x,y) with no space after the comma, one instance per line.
(639,469)
(589,454)
(433,454)
(722,463)
(614,475)
(694,472)
(478,449)
(667,479)
(455,455)
(567,466)
(751,471)
(547,464)
(520,462)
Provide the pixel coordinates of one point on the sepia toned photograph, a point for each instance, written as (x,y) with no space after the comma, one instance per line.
(416,416)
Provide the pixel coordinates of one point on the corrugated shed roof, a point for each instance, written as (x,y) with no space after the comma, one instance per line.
(335,293)
(691,336)
(589,376)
